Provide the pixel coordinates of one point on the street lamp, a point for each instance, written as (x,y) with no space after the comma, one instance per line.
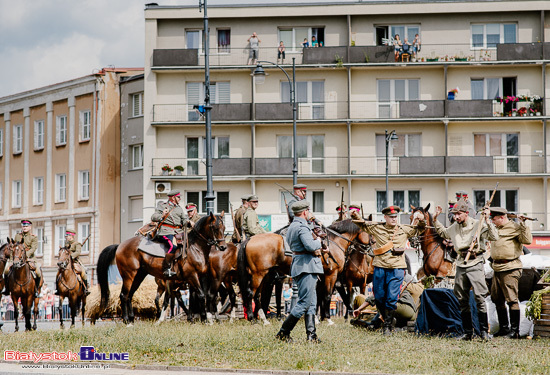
(259,78)
(389,137)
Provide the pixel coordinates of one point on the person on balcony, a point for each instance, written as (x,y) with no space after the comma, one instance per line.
(398,46)
(254,54)
(281,52)
(416,44)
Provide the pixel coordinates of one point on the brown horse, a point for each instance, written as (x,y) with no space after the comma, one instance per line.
(222,270)
(5,254)
(22,285)
(433,248)
(69,285)
(134,265)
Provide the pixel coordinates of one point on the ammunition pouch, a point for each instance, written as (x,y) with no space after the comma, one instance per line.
(383,249)
(398,251)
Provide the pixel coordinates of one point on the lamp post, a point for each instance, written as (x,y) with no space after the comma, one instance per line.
(389,137)
(259,78)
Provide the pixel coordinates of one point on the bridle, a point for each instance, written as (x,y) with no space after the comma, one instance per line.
(63,267)
(213,241)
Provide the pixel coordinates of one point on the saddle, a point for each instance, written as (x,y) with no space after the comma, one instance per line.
(146,229)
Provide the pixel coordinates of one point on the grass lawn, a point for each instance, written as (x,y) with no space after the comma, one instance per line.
(242,345)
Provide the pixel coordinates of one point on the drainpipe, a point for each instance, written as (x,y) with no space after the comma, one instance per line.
(349,147)
(542,26)
(446,123)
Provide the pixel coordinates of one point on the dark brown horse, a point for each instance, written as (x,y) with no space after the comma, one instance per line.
(22,285)
(69,285)
(134,264)
(433,248)
(223,270)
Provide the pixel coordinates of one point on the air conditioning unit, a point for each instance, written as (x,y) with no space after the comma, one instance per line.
(163,187)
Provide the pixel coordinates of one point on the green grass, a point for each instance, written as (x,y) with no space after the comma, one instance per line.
(344,348)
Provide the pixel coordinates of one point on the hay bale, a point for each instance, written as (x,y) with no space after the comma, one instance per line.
(143,301)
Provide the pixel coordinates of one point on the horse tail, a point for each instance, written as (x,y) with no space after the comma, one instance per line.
(103,263)
(242,273)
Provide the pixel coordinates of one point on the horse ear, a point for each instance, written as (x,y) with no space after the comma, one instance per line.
(370,217)
(427,207)
(222,213)
(9,240)
(212,215)
(412,207)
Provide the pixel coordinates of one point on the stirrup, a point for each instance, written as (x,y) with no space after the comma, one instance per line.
(169,273)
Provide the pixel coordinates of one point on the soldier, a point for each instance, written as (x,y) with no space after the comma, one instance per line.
(505,254)
(239,212)
(354,208)
(171,219)
(471,274)
(461,194)
(75,248)
(306,267)
(300,191)
(389,259)
(342,213)
(251,224)
(450,214)
(192,214)
(31,244)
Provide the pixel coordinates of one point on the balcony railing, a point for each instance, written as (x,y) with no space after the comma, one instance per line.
(357,165)
(429,53)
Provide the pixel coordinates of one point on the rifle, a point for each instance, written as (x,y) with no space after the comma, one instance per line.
(287,210)
(478,232)
(234,224)
(516,216)
(362,213)
(86,240)
(161,222)
(288,191)
(342,205)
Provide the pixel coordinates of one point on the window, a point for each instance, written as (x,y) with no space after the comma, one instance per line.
(193,39)
(392,91)
(137,105)
(83,233)
(137,157)
(310,150)
(17,139)
(310,97)
(192,156)
(16,194)
(60,187)
(400,198)
(38,191)
(503,198)
(486,88)
(224,40)
(40,236)
(1,142)
(83,185)
(197,146)
(85,125)
(491,34)
(221,202)
(504,147)
(385,33)
(61,130)
(405,145)
(220,93)
(135,208)
(59,237)
(39,135)
(294,37)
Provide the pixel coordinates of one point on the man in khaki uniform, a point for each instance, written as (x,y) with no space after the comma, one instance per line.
(75,248)
(389,260)
(251,224)
(239,212)
(505,254)
(31,244)
(471,274)
(192,214)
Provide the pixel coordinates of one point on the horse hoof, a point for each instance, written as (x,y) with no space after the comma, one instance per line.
(266,323)
(129,325)
(330,322)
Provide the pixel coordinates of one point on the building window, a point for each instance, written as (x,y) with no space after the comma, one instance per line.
(401,198)
(17,139)
(83,233)
(317,199)
(137,157)
(293,38)
(61,130)
(220,93)
(83,185)
(392,91)
(491,34)
(16,194)
(137,105)
(193,39)
(310,151)
(40,236)
(39,135)
(60,231)
(60,187)
(224,40)
(310,97)
(135,208)
(1,142)
(85,125)
(503,198)
(503,147)
(197,146)
(198,197)
(38,191)
(386,33)
(405,145)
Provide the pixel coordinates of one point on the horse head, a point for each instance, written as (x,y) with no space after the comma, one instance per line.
(64,259)
(19,253)
(424,211)
(211,229)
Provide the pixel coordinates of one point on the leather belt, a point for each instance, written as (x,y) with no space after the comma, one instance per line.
(171,226)
(503,261)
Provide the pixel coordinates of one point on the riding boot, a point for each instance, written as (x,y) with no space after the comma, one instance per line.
(388,322)
(6,290)
(514,324)
(503,325)
(167,265)
(467,326)
(286,328)
(86,288)
(37,286)
(483,326)
(310,328)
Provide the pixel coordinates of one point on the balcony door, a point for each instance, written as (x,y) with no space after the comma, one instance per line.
(393,91)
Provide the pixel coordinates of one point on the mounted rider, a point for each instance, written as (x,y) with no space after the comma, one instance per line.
(75,248)
(30,242)
(192,215)
(239,212)
(172,220)
(251,224)
(299,194)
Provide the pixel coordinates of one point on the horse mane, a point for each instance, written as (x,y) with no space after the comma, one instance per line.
(278,231)
(344,226)
(200,226)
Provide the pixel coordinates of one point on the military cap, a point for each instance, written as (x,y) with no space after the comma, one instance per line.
(70,232)
(300,186)
(461,193)
(245,197)
(253,198)
(355,207)
(451,202)
(498,211)
(174,192)
(391,210)
(26,222)
(338,208)
(299,206)
(190,206)
(460,206)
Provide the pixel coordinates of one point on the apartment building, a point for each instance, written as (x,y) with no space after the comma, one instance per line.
(468,107)
(60,164)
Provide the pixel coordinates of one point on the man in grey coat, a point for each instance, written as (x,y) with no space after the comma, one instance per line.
(306,266)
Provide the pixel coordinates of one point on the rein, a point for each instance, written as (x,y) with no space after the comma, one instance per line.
(209,241)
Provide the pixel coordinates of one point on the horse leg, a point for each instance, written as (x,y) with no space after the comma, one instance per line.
(278,294)
(60,309)
(27,309)
(138,279)
(233,299)
(160,291)
(35,313)
(162,312)
(72,305)
(15,313)
(83,306)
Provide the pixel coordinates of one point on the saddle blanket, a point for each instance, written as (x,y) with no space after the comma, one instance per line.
(150,247)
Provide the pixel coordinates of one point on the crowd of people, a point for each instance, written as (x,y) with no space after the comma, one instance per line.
(48,306)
